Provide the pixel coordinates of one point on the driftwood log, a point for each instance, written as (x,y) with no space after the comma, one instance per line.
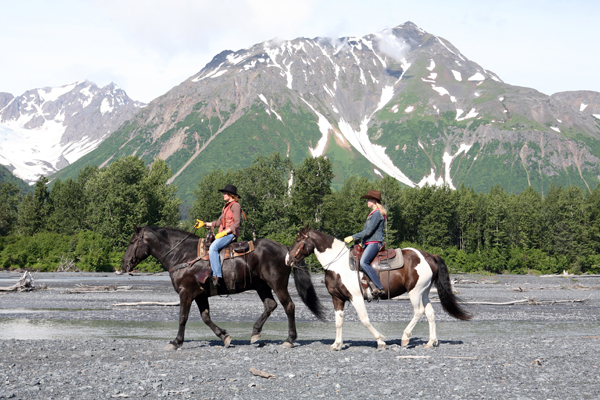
(531,301)
(25,284)
(147,303)
(97,289)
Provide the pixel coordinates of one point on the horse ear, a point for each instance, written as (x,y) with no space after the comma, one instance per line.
(136,229)
(306,228)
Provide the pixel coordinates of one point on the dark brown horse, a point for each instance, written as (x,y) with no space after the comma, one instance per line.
(263,270)
(416,277)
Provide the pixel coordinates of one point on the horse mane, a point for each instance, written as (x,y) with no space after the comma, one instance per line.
(165,231)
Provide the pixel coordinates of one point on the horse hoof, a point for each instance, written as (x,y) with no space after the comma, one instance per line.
(227,341)
(254,338)
(334,348)
(381,346)
(431,345)
(171,346)
(404,342)
(287,345)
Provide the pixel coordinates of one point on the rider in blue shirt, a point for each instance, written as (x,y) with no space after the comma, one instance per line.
(371,237)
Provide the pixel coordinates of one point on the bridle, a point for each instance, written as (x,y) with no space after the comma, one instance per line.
(304,237)
(141,237)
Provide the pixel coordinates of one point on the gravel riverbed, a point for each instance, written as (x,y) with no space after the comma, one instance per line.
(57,344)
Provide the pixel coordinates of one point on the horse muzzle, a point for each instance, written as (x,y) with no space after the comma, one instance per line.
(289,261)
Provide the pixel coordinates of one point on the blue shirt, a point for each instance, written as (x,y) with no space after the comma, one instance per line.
(373,230)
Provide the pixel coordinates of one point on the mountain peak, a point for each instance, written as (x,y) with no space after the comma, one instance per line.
(45,129)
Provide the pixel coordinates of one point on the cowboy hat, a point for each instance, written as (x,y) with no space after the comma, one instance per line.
(372,194)
(230,189)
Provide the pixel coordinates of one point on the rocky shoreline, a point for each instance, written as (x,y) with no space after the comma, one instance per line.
(547,350)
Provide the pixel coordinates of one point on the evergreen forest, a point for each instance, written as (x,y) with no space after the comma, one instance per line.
(86,223)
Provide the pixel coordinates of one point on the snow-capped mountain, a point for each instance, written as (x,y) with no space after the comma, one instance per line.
(44,130)
(402,102)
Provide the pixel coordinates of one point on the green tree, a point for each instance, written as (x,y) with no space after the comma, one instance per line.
(438,222)
(524,219)
(10,196)
(66,207)
(33,210)
(125,194)
(564,221)
(264,187)
(161,202)
(311,184)
(468,220)
(345,212)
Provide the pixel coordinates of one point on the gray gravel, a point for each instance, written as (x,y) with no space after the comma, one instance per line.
(58,345)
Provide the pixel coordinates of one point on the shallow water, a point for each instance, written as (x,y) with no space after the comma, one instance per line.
(196,330)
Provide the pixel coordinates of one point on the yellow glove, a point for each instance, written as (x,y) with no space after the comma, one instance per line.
(220,235)
(199,224)
(348,239)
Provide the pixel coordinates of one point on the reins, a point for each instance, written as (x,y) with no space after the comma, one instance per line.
(326,266)
(174,247)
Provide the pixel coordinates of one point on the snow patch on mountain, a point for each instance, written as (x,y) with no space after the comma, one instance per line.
(269,109)
(477,77)
(372,152)
(471,114)
(324,128)
(447,159)
(431,180)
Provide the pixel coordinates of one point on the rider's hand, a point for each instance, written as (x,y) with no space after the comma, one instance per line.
(199,224)
(349,239)
(220,235)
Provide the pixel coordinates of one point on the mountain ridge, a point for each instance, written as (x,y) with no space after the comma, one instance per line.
(402,102)
(43,130)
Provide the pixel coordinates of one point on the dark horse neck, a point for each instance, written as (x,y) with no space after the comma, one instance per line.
(172,246)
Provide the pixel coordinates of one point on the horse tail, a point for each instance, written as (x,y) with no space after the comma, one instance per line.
(307,292)
(449,301)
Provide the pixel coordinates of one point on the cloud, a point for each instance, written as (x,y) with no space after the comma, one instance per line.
(393,46)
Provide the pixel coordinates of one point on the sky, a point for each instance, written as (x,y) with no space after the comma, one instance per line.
(147,47)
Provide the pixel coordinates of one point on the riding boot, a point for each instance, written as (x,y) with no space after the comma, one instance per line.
(378,293)
(215,280)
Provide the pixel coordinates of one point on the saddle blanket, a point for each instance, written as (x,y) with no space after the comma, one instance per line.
(385,260)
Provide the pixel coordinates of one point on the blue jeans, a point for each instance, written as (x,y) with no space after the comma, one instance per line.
(365,262)
(213,253)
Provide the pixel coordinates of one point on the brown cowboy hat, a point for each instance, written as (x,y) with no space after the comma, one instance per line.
(230,189)
(372,194)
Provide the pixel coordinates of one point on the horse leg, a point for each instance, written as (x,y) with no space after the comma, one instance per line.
(361,310)
(204,308)
(270,304)
(430,313)
(338,306)
(418,309)
(290,310)
(185,302)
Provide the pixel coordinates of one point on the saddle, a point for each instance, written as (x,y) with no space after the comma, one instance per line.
(385,260)
(235,249)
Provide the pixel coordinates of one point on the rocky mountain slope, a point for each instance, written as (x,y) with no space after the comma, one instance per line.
(402,102)
(46,129)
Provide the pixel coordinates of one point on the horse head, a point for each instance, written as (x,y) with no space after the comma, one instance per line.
(137,251)
(301,248)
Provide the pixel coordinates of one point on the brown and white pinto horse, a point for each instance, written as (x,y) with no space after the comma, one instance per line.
(420,271)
